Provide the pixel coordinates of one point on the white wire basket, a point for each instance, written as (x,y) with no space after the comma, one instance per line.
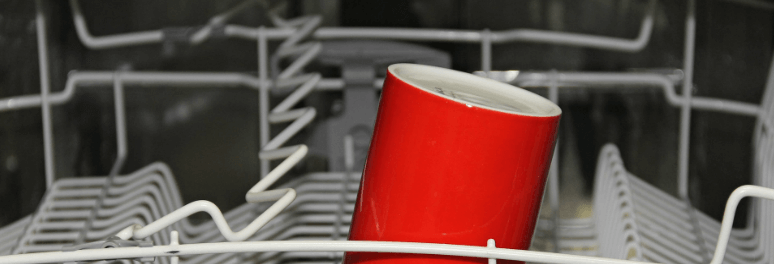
(141,217)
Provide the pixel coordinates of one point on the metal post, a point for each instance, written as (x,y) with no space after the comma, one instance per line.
(685,111)
(263,96)
(553,172)
(685,127)
(486,51)
(48,138)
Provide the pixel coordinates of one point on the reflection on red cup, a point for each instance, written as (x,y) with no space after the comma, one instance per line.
(454,159)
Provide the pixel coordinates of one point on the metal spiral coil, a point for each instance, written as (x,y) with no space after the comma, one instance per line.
(290,77)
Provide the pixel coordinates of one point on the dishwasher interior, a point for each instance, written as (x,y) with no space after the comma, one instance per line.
(142,125)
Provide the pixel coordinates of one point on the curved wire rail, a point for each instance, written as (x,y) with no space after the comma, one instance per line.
(468,36)
(175,249)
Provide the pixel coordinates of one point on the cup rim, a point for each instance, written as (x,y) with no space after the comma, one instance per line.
(488,94)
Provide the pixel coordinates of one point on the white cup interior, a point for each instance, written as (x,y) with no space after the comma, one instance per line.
(473,90)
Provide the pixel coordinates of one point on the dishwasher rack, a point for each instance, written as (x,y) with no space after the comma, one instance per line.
(314,211)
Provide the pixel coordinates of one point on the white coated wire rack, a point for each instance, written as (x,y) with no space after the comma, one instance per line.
(140,216)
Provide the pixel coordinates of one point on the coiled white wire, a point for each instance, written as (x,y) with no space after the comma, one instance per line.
(290,77)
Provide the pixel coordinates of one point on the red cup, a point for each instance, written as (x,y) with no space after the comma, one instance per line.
(454,159)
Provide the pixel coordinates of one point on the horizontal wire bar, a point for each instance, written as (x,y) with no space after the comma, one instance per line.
(310,246)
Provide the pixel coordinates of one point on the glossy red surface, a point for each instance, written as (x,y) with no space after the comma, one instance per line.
(441,171)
